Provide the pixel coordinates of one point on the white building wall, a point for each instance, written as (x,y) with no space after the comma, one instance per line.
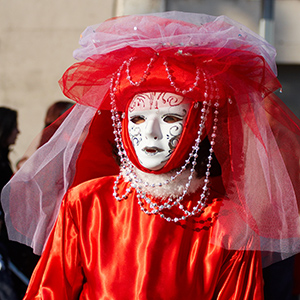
(287,31)
(37,38)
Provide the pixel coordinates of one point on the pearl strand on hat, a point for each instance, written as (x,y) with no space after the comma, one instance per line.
(127,165)
(145,75)
(178,90)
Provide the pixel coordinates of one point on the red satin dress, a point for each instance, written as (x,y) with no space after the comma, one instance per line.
(104,249)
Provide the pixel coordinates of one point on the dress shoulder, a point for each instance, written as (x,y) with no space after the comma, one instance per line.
(90,188)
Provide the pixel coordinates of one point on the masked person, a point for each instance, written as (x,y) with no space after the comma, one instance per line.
(174,171)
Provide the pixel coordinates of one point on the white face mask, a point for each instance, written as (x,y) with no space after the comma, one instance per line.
(156,121)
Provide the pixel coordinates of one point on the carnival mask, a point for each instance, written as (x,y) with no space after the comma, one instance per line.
(156,121)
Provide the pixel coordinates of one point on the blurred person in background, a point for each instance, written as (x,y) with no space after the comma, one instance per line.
(8,135)
(17,260)
(54,112)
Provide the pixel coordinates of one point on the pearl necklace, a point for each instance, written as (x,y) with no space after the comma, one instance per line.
(135,182)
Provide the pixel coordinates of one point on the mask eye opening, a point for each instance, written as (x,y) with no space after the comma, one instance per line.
(138,119)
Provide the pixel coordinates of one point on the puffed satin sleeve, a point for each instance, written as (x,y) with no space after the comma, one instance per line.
(58,274)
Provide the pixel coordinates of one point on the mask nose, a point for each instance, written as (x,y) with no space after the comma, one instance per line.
(153,130)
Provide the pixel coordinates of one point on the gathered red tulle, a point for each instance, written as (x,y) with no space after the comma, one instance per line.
(88,82)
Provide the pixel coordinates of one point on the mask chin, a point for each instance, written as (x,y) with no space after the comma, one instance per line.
(153,167)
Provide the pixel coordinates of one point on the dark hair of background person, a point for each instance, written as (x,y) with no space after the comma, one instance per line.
(54,117)
(56,110)
(8,122)
(8,134)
